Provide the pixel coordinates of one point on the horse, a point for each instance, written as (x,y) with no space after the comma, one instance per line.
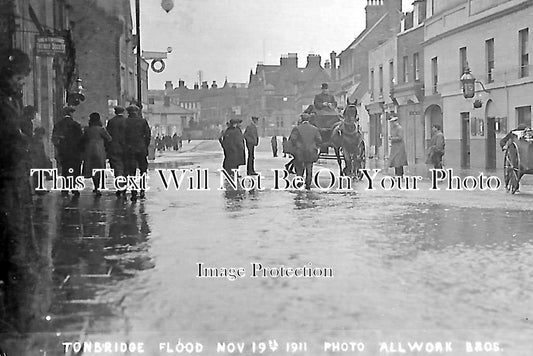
(347,136)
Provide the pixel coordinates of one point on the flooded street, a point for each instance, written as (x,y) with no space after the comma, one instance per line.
(407,265)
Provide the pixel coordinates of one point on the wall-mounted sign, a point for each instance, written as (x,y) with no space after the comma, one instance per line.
(49,45)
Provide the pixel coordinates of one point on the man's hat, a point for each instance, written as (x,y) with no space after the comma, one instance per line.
(132,108)
(393,118)
(324,86)
(119,110)
(235,121)
(255,118)
(67,110)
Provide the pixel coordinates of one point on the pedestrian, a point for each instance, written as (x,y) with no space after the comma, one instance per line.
(436,147)
(116,127)
(188,135)
(28,115)
(221,136)
(39,158)
(233,145)
(283,146)
(175,141)
(306,140)
(137,138)
(397,156)
(180,142)
(66,137)
(274,145)
(252,140)
(94,139)
(19,255)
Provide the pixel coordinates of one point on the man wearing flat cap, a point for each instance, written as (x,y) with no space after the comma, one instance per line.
(233,145)
(116,148)
(137,140)
(252,140)
(325,101)
(66,138)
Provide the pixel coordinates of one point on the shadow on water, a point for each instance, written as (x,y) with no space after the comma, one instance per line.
(85,246)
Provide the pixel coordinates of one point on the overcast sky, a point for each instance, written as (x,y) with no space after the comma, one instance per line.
(227,38)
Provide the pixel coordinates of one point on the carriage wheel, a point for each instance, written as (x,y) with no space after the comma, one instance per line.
(361,160)
(511,170)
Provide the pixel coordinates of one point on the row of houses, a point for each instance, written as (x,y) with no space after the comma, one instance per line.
(76,47)
(402,64)
(415,74)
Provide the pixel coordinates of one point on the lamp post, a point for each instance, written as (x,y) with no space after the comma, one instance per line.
(468,84)
(167,5)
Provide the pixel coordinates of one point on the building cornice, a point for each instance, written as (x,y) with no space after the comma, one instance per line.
(477,22)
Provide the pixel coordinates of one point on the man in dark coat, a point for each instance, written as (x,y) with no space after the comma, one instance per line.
(20,260)
(66,137)
(116,127)
(274,146)
(252,140)
(137,140)
(397,155)
(324,100)
(233,145)
(306,140)
(436,147)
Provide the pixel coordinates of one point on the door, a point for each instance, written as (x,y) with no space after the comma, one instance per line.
(465,140)
(491,143)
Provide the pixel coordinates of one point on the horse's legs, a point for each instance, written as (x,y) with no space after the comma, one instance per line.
(339,160)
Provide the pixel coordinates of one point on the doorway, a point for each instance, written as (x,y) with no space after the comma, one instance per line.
(465,140)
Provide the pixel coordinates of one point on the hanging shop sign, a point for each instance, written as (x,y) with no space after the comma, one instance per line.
(49,46)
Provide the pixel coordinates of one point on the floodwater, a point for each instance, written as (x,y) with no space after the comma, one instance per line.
(407,266)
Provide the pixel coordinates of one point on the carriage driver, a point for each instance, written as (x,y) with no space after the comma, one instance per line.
(324,100)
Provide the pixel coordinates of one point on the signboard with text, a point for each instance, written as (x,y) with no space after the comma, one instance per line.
(49,46)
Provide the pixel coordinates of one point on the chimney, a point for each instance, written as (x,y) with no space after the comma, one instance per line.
(333,60)
(169,85)
(313,61)
(374,10)
(290,61)
(166,101)
(181,83)
(205,85)
(196,86)
(214,85)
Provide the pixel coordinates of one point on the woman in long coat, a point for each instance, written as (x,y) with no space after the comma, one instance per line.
(397,156)
(94,140)
(233,145)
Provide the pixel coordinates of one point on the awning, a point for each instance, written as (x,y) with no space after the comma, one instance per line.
(407,99)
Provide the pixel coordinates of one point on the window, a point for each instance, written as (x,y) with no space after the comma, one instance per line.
(463,61)
(523,115)
(380,81)
(434,75)
(416,67)
(372,84)
(523,43)
(489,53)
(405,75)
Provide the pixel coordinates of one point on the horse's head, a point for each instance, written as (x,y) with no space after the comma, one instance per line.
(350,113)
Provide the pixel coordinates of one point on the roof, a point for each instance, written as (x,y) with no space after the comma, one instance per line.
(363,34)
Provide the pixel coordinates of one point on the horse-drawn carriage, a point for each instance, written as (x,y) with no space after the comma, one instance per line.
(342,133)
(518,158)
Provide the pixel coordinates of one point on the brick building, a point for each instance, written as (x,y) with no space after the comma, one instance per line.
(279,93)
(105,55)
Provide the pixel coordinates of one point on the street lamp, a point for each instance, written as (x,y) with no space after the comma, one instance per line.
(468,83)
(167,5)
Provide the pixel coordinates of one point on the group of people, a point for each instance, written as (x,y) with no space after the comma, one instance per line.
(124,142)
(167,142)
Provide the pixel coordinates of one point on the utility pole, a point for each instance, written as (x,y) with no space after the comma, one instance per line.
(138,32)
